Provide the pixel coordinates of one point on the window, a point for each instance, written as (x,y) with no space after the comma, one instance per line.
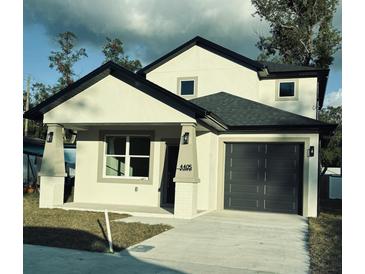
(187,86)
(126,156)
(287,90)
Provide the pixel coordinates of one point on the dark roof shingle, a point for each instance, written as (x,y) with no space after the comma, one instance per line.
(235,111)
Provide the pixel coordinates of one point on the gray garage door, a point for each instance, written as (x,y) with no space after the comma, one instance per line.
(263,177)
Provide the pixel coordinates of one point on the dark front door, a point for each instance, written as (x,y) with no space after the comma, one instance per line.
(263,177)
(172,153)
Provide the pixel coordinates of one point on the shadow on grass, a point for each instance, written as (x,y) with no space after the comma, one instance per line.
(70,257)
(65,238)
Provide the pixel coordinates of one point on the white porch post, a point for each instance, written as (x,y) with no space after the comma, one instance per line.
(186,177)
(52,171)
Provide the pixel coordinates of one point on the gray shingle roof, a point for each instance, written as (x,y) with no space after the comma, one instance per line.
(235,111)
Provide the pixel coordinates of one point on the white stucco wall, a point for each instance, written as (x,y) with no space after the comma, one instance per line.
(210,154)
(217,74)
(307,94)
(310,164)
(89,189)
(207,148)
(112,101)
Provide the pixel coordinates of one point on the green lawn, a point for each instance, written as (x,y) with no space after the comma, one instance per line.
(79,229)
(325,242)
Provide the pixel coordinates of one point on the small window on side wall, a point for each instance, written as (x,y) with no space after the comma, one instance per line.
(187,86)
(287,90)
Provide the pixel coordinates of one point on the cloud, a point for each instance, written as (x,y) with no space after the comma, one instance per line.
(333,98)
(150,28)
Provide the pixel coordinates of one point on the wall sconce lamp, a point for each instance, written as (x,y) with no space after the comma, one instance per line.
(185,138)
(49,137)
(310,151)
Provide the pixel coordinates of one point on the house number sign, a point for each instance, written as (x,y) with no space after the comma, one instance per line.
(186,167)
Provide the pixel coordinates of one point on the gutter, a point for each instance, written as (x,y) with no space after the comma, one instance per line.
(213,121)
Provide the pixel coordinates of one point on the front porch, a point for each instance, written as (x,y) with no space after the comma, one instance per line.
(136,211)
(160,188)
(139,211)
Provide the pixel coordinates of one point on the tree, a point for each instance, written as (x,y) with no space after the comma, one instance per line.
(301,32)
(64,59)
(331,153)
(114,51)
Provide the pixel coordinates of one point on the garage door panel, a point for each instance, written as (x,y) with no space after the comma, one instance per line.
(280,177)
(245,149)
(247,182)
(281,192)
(280,206)
(243,162)
(247,174)
(263,177)
(237,203)
(275,163)
(282,149)
(238,189)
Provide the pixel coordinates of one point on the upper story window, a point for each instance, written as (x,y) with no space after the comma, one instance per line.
(187,86)
(126,156)
(286,90)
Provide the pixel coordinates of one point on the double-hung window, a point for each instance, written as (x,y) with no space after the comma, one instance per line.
(126,156)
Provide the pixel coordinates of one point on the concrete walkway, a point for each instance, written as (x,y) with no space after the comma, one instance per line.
(218,242)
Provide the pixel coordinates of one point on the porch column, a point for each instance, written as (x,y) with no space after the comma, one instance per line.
(186,177)
(52,171)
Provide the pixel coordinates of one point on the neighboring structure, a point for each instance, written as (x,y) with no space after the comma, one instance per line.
(201,128)
(32,159)
(331,184)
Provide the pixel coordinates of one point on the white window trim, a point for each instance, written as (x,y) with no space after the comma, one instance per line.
(180,79)
(286,98)
(127,156)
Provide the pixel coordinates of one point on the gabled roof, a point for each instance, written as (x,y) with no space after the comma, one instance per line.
(243,114)
(221,111)
(208,45)
(274,70)
(111,68)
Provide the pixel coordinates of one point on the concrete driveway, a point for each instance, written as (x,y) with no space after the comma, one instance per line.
(218,242)
(231,242)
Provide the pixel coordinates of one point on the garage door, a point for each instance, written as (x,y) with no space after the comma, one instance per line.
(263,177)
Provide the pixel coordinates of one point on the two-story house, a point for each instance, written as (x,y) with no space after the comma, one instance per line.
(202,128)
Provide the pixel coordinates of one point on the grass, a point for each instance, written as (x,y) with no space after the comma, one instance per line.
(80,229)
(325,242)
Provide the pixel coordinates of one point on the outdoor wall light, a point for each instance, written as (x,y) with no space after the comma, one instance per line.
(185,138)
(49,137)
(310,151)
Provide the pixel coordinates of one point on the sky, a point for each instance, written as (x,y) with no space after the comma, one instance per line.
(148,30)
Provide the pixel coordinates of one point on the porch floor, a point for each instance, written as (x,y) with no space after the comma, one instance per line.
(142,211)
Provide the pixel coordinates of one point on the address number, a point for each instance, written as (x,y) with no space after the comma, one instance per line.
(187,167)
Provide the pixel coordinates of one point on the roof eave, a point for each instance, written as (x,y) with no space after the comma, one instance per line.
(325,129)
(117,71)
